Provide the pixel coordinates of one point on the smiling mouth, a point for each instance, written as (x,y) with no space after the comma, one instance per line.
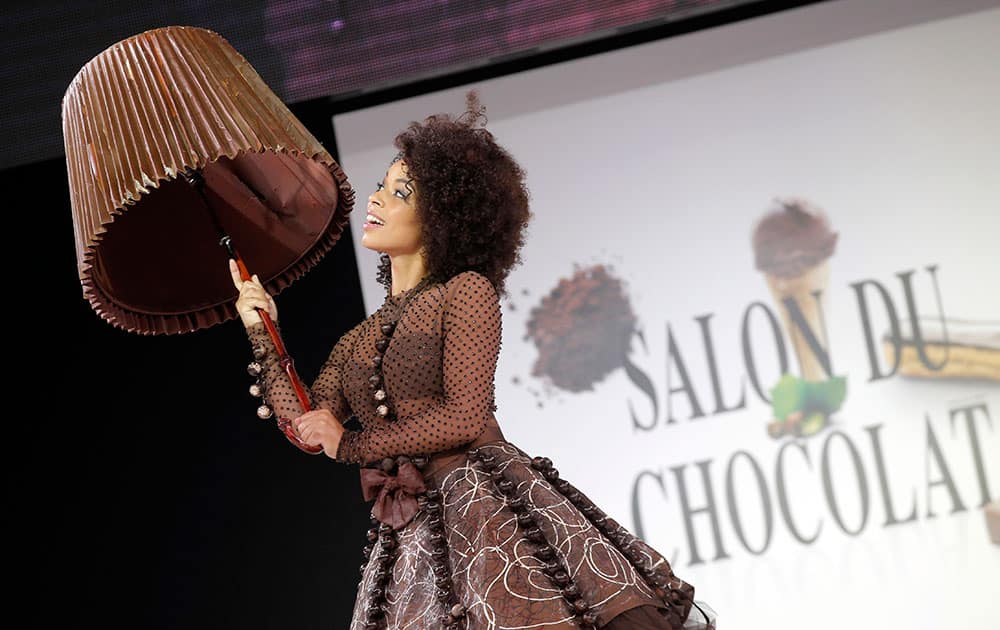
(371,219)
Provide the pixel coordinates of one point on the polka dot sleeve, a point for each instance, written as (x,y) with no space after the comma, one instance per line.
(471,329)
(326,391)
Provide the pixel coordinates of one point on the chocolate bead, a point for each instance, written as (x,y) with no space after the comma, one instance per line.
(473,454)
(525,520)
(443,582)
(439,553)
(571,591)
(434,494)
(561,578)
(541,463)
(647,574)
(374,380)
(383,528)
(419,461)
(264,412)
(535,535)
(387,329)
(372,534)
(381,345)
(382,410)
(379,395)
(433,507)
(259,352)
(254,368)
(654,575)
(589,618)
(375,593)
(387,464)
(545,552)
(367,551)
(506,485)
(443,594)
(552,567)
(517,505)
(580,606)
(256,390)
(496,476)
(377,361)
(457,611)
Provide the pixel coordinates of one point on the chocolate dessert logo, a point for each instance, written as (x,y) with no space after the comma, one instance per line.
(583,328)
(777,353)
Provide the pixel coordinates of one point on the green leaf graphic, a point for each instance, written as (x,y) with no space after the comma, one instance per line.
(793,394)
(787,396)
(826,396)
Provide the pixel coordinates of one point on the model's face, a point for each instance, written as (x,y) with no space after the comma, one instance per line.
(394,205)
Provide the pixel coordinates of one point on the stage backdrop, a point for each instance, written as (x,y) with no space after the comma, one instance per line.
(758,319)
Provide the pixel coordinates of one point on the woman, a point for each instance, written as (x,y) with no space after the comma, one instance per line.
(468,531)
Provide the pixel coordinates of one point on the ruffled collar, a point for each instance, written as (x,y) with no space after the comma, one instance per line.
(404,294)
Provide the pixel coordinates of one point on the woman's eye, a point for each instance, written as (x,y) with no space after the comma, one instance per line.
(378,186)
(401,194)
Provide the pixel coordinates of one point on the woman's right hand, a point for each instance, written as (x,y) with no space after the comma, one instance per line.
(252,296)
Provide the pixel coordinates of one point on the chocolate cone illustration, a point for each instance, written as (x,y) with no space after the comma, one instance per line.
(792,246)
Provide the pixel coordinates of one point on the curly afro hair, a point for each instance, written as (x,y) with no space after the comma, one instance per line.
(472,200)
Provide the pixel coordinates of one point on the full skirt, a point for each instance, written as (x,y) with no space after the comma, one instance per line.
(501,542)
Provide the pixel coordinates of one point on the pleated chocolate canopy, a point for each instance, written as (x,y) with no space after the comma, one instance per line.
(139,116)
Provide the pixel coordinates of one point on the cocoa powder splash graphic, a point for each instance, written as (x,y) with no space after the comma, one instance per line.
(582,329)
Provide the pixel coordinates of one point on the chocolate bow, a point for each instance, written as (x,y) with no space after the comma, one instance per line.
(395,495)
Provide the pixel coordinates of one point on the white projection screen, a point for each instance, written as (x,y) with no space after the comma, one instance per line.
(811,447)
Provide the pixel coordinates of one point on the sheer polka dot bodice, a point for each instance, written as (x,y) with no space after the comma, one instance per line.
(439,371)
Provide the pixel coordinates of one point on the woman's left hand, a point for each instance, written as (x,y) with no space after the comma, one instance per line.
(319,428)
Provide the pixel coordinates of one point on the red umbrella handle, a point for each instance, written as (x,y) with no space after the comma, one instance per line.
(195,178)
(284,361)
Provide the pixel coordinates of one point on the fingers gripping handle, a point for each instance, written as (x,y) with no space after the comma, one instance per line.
(284,424)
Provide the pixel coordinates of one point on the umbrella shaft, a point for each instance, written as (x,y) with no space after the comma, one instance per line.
(197,181)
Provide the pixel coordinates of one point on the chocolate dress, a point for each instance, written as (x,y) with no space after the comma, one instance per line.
(468,530)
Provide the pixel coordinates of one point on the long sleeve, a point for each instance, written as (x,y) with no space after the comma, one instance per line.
(471,328)
(326,391)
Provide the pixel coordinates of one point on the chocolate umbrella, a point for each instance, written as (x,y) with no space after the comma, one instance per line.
(175,145)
